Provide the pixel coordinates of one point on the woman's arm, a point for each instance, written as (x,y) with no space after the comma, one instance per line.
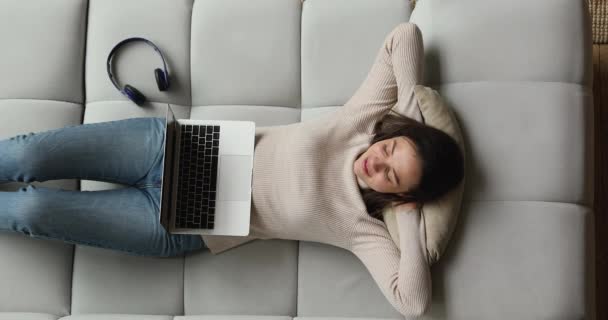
(398,67)
(404,276)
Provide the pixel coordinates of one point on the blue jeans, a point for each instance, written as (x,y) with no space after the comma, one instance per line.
(126,151)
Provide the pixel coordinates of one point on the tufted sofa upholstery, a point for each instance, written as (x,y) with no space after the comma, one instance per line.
(517,73)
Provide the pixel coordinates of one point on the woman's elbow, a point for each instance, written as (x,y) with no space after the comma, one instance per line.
(422,308)
(417,307)
(417,310)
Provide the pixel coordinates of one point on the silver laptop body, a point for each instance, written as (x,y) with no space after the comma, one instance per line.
(196,198)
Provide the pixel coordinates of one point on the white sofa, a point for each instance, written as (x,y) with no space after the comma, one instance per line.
(517,73)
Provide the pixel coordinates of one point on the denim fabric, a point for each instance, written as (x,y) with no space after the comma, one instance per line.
(126,151)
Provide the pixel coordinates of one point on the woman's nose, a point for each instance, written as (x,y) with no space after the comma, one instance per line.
(378,165)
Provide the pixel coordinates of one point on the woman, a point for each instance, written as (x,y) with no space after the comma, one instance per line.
(325,180)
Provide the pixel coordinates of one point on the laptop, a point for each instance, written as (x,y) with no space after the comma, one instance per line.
(206,179)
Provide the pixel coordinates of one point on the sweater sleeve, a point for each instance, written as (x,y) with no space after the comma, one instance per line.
(397,68)
(403,276)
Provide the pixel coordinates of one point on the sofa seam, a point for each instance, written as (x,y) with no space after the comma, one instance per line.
(84,98)
(505,81)
(545,201)
(433,85)
(190,54)
(39,99)
(200,105)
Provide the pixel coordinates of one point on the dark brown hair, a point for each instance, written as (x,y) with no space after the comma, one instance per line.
(440,156)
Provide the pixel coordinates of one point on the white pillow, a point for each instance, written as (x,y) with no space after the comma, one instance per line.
(440,216)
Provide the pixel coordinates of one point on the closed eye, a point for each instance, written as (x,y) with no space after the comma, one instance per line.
(394,174)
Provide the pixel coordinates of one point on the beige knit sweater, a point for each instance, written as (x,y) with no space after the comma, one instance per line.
(304,186)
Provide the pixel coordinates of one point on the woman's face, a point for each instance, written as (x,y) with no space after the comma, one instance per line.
(392,166)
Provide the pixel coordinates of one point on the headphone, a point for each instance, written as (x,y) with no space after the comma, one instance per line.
(162,76)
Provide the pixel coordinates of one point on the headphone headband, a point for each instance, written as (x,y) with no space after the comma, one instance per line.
(125,41)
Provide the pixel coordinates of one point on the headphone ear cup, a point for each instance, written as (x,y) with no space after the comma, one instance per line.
(134,95)
(161,79)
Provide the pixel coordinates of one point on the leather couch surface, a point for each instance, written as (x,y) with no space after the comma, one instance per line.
(517,73)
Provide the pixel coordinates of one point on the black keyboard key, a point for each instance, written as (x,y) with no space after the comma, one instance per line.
(198,176)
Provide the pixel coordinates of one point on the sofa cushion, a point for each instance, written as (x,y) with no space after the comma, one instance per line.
(246,52)
(257,278)
(515,260)
(526,140)
(108,281)
(332,282)
(110,316)
(263,116)
(135,63)
(439,216)
(340,39)
(232,317)
(505,41)
(35,276)
(27,316)
(42,49)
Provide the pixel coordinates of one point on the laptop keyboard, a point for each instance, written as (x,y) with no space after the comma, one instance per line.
(197,176)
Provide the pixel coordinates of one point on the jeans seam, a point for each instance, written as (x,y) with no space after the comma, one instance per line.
(145,192)
(158,155)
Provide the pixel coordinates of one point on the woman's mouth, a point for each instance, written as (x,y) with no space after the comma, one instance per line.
(365,167)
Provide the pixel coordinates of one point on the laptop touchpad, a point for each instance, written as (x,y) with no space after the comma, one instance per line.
(234,178)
